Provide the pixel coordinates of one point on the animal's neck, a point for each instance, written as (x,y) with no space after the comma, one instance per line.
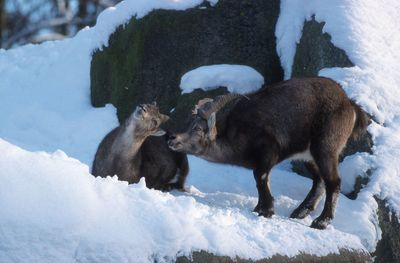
(128,142)
(219,151)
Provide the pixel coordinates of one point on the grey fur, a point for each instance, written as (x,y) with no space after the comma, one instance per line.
(123,152)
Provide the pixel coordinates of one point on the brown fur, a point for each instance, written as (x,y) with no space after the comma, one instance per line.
(307,118)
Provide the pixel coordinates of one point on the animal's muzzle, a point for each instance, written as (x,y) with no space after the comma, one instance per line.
(174,143)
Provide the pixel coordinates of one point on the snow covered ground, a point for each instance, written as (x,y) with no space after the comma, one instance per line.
(54,210)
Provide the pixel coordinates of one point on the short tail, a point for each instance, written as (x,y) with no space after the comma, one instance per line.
(362,121)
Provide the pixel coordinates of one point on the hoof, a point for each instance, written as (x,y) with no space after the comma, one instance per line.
(173,186)
(257,209)
(321,223)
(300,212)
(267,213)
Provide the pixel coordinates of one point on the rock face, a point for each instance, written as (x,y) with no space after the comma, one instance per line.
(388,248)
(146,58)
(315,51)
(343,256)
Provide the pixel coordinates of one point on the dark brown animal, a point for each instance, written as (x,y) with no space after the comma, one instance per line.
(303,118)
(138,148)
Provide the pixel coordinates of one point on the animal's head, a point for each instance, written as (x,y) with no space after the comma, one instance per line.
(202,131)
(148,119)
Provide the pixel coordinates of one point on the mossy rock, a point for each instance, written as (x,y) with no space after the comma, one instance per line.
(146,58)
(343,256)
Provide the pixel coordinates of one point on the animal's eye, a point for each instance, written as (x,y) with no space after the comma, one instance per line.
(196,128)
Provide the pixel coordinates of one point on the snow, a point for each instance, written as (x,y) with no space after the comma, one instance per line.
(353,166)
(368,32)
(54,210)
(237,78)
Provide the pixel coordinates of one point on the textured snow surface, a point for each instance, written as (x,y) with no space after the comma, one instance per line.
(237,78)
(54,210)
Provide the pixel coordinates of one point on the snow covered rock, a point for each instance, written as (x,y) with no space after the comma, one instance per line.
(147,57)
(52,209)
(236,78)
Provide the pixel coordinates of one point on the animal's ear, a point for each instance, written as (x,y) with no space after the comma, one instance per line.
(154,103)
(159,133)
(212,129)
(164,118)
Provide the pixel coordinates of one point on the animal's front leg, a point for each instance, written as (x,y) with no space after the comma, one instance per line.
(173,186)
(265,205)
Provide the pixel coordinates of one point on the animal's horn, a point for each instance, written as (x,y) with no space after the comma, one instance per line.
(200,104)
(218,103)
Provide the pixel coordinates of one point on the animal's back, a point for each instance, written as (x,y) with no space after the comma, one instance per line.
(291,112)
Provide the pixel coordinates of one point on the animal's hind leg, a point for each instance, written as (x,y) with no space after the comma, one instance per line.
(314,196)
(325,150)
(329,171)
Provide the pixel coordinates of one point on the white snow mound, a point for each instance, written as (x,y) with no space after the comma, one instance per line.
(236,78)
(53,210)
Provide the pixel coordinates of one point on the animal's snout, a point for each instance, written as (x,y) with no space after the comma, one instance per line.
(174,143)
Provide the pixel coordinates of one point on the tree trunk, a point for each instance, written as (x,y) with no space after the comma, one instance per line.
(2,20)
(82,12)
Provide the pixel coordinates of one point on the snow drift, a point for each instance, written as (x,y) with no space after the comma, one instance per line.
(54,210)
